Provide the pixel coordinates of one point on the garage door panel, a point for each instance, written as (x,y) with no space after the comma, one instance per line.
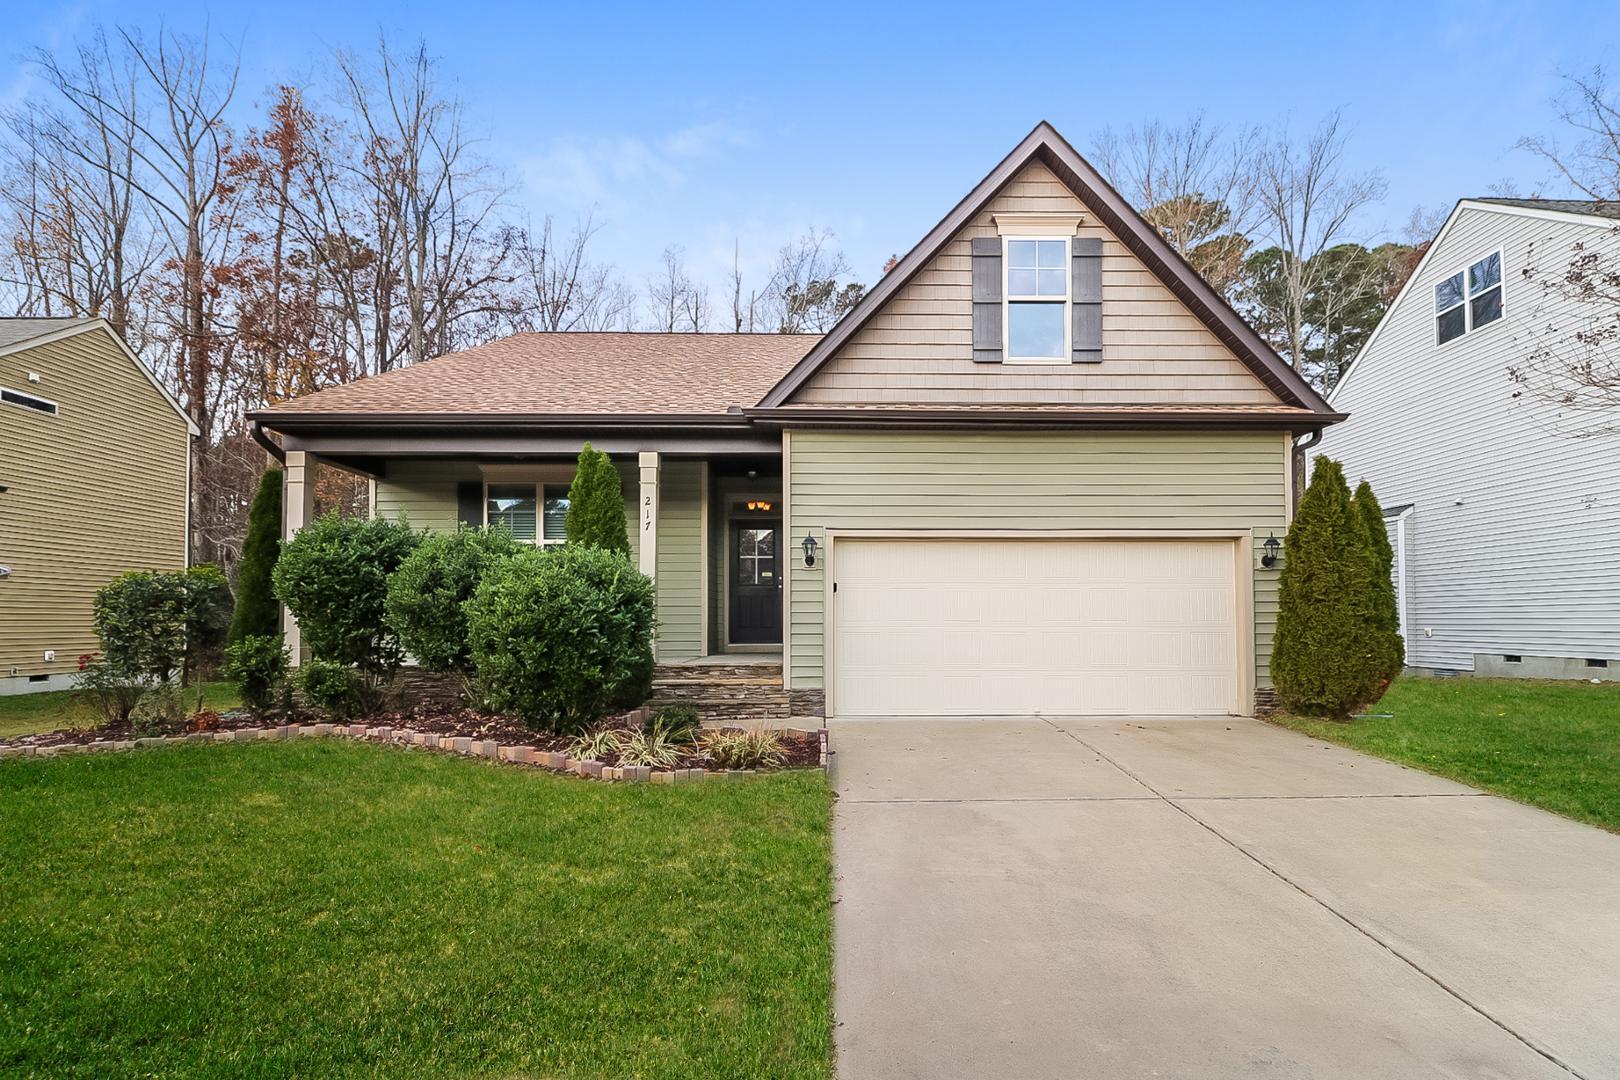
(1002,627)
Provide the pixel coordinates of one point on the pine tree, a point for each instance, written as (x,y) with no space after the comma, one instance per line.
(1327,659)
(1384,603)
(257,611)
(596,504)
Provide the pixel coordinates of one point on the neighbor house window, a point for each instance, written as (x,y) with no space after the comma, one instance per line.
(1469,299)
(1038,300)
(533,513)
(27,401)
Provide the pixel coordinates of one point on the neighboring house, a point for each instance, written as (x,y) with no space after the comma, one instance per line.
(94,480)
(1030,473)
(1506,524)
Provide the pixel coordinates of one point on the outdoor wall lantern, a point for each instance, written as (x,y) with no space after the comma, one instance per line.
(809,550)
(1272,546)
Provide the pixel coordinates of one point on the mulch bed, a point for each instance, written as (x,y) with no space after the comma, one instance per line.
(800,749)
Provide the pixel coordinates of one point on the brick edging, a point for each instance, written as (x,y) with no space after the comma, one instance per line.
(532,756)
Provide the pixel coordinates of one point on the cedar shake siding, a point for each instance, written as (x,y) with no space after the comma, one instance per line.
(919,347)
(92,491)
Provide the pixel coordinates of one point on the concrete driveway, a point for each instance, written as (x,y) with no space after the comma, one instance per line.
(1205,898)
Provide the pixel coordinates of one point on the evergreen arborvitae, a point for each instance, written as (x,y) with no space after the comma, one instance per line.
(596,504)
(1327,659)
(257,611)
(1384,603)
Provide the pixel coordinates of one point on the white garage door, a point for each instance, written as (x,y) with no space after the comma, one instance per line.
(1033,627)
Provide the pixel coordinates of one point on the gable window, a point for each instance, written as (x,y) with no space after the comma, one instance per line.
(532,513)
(27,401)
(1468,300)
(1038,300)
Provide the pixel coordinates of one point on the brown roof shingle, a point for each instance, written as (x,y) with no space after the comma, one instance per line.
(632,374)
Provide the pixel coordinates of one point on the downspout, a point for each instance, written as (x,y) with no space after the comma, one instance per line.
(1301,444)
(270,445)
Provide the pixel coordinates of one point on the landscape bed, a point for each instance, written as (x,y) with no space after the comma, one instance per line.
(328,908)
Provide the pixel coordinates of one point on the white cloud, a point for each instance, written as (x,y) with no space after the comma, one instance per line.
(583,171)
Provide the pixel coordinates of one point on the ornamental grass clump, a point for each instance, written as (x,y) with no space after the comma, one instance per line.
(757,749)
(1331,654)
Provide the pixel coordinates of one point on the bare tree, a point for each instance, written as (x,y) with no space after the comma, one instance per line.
(1195,182)
(1307,201)
(675,301)
(564,290)
(806,292)
(1591,162)
(1571,345)
(437,199)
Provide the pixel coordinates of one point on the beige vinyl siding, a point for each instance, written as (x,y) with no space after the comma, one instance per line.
(961,481)
(680,560)
(919,347)
(97,489)
(1511,538)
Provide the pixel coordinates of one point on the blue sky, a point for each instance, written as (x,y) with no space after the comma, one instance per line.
(695,125)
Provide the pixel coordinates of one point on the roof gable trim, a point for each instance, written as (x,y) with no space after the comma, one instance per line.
(1046,145)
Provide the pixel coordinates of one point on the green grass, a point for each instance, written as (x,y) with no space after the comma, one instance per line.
(25,714)
(325,909)
(1551,744)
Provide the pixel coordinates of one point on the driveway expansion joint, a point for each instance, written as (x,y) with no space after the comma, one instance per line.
(1175,802)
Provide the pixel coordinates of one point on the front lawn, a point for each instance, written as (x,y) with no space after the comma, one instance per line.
(1552,744)
(329,909)
(26,714)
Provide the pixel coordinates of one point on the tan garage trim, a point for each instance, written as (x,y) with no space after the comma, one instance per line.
(1242,583)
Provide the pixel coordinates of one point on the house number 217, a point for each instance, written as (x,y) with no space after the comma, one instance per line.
(646,513)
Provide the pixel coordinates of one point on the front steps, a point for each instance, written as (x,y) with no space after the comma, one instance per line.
(742,693)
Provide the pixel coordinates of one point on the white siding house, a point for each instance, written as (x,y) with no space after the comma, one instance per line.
(1505,518)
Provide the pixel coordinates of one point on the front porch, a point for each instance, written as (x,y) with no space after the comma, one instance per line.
(709,529)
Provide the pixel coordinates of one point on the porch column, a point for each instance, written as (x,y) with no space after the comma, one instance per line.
(297,509)
(647,558)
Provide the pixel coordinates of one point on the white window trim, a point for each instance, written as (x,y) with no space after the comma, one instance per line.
(539,507)
(1468,298)
(1008,299)
(56,410)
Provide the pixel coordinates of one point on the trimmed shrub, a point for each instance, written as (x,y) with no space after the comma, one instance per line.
(678,721)
(426,595)
(596,504)
(154,625)
(559,636)
(1327,659)
(257,664)
(140,617)
(1392,647)
(333,577)
(257,611)
(332,687)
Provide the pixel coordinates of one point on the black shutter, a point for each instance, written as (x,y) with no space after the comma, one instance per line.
(1087,287)
(470,503)
(987,299)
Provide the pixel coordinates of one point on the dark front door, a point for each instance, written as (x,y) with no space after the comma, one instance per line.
(756,583)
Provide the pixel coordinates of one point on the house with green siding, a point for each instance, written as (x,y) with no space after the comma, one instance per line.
(1033,472)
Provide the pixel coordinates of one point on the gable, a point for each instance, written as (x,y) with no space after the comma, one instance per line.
(917,348)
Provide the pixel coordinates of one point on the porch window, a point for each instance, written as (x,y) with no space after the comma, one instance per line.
(513,507)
